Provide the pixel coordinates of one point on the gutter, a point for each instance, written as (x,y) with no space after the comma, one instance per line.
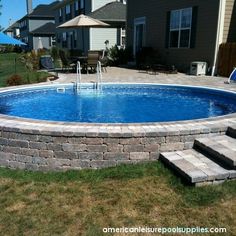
(219,34)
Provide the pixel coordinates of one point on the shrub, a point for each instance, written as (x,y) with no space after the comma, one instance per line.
(17,49)
(54,53)
(31,59)
(119,56)
(9,48)
(14,80)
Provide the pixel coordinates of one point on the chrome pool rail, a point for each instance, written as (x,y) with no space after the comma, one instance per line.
(78,76)
(99,76)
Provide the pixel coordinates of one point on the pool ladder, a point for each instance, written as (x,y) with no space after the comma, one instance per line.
(99,76)
(98,84)
(78,76)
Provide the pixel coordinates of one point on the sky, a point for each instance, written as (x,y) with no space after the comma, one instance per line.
(13,10)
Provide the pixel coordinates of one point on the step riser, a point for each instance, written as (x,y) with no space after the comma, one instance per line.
(196,168)
(211,160)
(192,180)
(231,132)
(214,154)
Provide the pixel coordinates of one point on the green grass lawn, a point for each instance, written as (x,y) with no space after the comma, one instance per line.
(83,202)
(7,68)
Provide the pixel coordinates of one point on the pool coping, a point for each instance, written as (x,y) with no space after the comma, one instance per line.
(152,129)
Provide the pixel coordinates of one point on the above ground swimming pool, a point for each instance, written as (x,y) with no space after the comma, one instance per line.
(117,103)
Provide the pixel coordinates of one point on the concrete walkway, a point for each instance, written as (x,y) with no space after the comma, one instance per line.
(123,75)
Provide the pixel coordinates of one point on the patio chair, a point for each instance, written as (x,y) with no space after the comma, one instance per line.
(46,63)
(232,76)
(93,57)
(66,63)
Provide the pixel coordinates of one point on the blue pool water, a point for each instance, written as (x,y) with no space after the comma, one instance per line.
(118,104)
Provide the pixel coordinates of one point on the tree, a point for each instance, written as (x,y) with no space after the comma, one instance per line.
(1,28)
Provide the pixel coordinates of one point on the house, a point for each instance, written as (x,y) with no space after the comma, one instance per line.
(38,24)
(114,14)
(182,31)
(13,30)
(90,38)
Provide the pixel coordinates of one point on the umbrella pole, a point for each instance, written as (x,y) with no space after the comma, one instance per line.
(83,38)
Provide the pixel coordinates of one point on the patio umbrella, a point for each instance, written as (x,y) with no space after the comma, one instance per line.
(5,39)
(83,21)
(40,44)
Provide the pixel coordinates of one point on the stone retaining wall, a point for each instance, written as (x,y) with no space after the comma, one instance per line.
(41,145)
(52,152)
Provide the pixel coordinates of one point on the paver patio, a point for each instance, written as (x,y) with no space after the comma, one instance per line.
(124,75)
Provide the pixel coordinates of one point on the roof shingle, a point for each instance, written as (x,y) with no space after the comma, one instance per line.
(111,12)
(44,10)
(47,29)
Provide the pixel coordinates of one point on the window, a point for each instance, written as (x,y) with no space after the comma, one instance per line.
(123,37)
(23,25)
(68,12)
(76,8)
(68,9)
(58,38)
(81,7)
(81,4)
(76,5)
(75,38)
(180,28)
(64,39)
(25,40)
(139,34)
(60,15)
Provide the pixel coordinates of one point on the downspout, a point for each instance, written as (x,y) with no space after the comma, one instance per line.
(219,34)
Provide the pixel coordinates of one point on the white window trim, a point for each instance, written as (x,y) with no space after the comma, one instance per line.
(181,28)
(52,41)
(122,35)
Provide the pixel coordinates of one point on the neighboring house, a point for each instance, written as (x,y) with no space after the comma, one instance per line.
(114,14)
(38,24)
(89,38)
(45,33)
(181,30)
(13,30)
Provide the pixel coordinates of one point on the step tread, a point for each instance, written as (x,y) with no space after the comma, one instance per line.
(222,147)
(196,167)
(226,141)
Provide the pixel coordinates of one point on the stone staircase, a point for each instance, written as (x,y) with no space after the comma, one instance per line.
(212,160)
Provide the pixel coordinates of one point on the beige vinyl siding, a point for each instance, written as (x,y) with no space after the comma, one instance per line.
(99,36)
(229,34)
(45,42)
(156,20)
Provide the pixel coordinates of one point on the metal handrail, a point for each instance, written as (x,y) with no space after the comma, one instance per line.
(78,76)
(99,75)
